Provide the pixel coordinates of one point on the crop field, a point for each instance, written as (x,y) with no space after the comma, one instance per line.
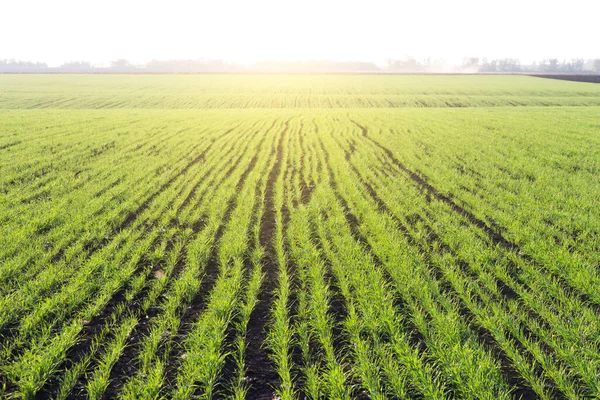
(291,237)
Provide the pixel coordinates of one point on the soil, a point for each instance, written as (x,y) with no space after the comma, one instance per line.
(591,78)
(260,372)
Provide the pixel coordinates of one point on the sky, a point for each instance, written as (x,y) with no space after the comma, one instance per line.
(250,30)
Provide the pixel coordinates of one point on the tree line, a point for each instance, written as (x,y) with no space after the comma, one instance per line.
(406,65)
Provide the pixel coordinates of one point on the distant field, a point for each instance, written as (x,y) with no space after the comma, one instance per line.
(285,91)
(325,236)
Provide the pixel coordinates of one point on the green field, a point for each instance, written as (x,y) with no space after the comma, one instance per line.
(291,237)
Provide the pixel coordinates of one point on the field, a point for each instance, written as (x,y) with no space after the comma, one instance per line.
(321,237)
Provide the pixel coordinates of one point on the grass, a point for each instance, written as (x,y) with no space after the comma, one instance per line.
(360,236)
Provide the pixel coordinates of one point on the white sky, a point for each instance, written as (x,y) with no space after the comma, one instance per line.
(247,30)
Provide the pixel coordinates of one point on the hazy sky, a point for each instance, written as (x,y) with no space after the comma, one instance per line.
(248,30)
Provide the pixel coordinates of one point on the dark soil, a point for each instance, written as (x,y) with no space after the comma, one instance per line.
(260,372)
(591,78)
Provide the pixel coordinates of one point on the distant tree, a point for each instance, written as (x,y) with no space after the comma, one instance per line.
(571,67)
(470,64)
(596,65)
(577,64)
(489,66)
(120,64)
(509,65)
(408,64)
(76,66)
(175,66)
(13,65)
(550,65)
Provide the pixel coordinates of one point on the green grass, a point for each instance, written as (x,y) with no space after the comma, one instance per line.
(363,236)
